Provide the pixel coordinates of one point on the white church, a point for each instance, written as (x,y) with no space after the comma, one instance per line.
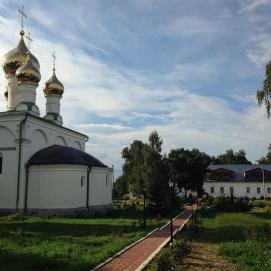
(44,168)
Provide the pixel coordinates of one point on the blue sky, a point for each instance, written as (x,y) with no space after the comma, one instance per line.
(189,69)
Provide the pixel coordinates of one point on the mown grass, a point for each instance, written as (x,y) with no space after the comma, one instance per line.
(250,254)
(35,243)
(244,238)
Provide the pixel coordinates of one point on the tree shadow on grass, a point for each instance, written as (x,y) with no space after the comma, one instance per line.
(262,215)
(10,261)
(68,229)
(219,234)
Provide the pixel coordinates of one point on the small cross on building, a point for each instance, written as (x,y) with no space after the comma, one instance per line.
(23,15)
(54,60)
(28,37)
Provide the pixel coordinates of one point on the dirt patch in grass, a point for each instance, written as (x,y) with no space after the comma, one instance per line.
(204,257)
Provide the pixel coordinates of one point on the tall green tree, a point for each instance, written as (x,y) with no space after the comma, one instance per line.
(155,141)
(120,187)
(231,157)
(156,172)
(144,166)
(266,159)
(263,95)
(188,167)
(134,166)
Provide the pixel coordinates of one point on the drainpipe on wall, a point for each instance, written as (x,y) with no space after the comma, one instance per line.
(87,199)
(264,195)
(113,191)
(26,188)
(19,159)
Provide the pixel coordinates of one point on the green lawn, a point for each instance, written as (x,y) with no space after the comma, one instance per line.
(33,243)
(227,241)
(243,238)
(232,226)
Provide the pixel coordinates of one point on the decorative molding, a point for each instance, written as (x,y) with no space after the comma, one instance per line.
(8,149)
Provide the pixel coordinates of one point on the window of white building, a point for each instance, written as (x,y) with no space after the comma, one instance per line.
(258,190)
(231,190)
(221,190)
(248,190)
(212,189)
(82,181)
(1,163)
(268,190)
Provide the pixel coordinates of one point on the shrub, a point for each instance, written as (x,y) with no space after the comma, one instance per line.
(164,261)
(231,204)
(125,197)
(206,211)
(179,250)
(194,224)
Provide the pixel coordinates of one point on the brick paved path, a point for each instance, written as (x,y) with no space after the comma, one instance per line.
(136,255)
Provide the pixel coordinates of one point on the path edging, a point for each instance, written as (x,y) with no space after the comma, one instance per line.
(123,250)
(147,261)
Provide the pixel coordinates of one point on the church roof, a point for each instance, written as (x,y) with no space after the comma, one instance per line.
(57,154)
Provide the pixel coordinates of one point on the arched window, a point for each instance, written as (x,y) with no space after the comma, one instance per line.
(1,163)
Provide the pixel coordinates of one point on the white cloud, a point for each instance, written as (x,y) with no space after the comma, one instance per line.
(205,123)
(226,14)
(189,26)
(245,99)
(124,99)
(42,17)
(203,70)
(252,5)
(260,50)
(103,127)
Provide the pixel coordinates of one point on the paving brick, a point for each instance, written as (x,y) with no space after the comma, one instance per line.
(136,255)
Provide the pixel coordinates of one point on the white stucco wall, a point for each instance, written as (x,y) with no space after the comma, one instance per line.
(239,188)
(57,187)
(8,184)
(100,187)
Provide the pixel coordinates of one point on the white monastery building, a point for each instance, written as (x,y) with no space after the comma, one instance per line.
(44,168)
(238,180)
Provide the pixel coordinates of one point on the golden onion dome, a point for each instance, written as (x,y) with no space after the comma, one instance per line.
(53,86)
(28,72)
(17,57)
(34,61)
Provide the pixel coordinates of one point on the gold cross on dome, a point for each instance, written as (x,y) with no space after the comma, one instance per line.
(28,37)
(23,15)
(54,60)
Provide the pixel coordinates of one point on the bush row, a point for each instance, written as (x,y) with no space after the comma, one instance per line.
(224,204)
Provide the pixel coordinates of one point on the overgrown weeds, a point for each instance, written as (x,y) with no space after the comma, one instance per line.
(172,257)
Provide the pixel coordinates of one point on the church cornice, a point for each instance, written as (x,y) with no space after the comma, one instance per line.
(16,113)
